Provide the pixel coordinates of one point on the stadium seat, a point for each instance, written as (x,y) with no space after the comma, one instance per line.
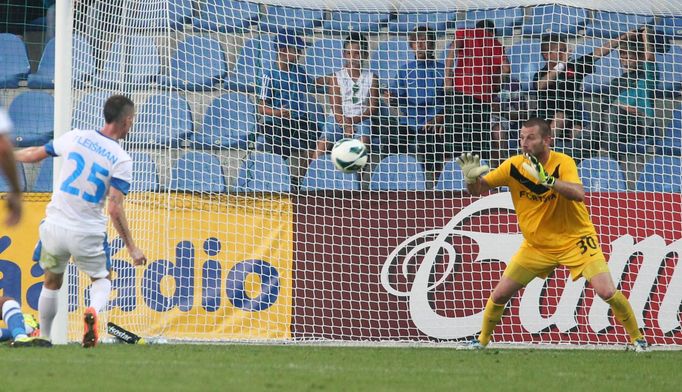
(612,24)
(398,173)
(4,185)
(263,172)
(228,123)
(197,172)
(670,26)
(606,69)
(225,16)
(145,16)
(132,63)
(32,113)
(451,179)
(44,76)
(408,21)
(525,59)
(671,141)
(662,174)
(554,19)
(323,175)
(197,64)
(14,64)
(324,57)
(256,55)
(601,174)
(286,19)
(669,66)
(360,22)
(163,120)
(505,19)
(43,181)
(388,58)
(145,173)
(88,111)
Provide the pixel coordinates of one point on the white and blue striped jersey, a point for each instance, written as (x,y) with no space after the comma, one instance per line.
(92,163)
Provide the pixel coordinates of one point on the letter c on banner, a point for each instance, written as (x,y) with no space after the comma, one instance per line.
(269,287)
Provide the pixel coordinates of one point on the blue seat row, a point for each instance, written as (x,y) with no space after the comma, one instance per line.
(197,171)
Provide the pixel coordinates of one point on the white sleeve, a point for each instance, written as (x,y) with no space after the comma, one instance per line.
(122,175)
(57,146)
(5,122)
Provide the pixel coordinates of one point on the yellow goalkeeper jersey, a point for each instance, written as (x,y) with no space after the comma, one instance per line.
(548,220)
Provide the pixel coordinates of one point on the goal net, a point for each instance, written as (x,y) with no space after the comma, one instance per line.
(253,235)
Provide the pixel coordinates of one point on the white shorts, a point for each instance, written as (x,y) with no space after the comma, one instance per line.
(90,251)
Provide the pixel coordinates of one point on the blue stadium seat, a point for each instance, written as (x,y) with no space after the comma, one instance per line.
(256,56)
(669,67)
(88,111)
(670,26)
(525,59)
(197,64)
(388,58)
(145,173)
(44,76)
(132,63)
(263,172)
(14,64)
(612,24)
(228,123)
(145,16)
(505,19)
(554,19)
(32,113)
(323,175)
(662,174)
(451,179)
(606,69)
(601,174)
(163,119)
(398,173)
(287,19)
(43,182)
(671,142)
(225,16)
(360,22)
(406,22)
(4,185)
(197,172)
(324,57)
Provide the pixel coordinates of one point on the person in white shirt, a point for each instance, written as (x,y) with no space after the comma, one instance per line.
(8,165)
(95,167)
(354,96)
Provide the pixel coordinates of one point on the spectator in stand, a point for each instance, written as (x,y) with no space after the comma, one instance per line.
(559,89)
(354,96)
(631,99)
(476,68)
(418,94)
(286,103)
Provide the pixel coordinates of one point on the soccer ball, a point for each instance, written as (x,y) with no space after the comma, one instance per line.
(349,155)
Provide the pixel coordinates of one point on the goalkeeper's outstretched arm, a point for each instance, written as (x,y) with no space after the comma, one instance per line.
(472,170)
(479,187)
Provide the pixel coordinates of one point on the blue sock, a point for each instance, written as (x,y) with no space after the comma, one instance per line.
(11,313)
(5,334)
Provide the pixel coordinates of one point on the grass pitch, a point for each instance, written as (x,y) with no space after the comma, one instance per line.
(311,368)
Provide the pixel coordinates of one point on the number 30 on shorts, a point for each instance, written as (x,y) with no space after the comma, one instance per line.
(587,242)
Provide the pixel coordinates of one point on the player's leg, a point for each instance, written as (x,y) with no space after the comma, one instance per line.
(16,329)
(622,310)
(48,302)
(505,289)
(92,256)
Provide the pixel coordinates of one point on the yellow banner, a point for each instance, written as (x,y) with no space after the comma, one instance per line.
(219,268)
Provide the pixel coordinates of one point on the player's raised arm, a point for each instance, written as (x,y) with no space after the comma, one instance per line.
(472,171)
(31,154)
(569,190)
(118,218)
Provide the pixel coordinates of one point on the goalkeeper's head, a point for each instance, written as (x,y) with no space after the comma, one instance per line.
(536,137)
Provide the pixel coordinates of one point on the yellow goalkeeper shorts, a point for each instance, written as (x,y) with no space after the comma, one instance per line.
(583,260)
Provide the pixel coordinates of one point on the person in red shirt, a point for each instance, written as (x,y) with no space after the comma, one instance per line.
(475,68)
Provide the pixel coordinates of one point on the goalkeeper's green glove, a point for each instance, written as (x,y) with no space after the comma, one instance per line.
(535,169)
(471,167)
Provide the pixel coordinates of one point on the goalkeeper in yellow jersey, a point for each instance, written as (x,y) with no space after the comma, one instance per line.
(548,197)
